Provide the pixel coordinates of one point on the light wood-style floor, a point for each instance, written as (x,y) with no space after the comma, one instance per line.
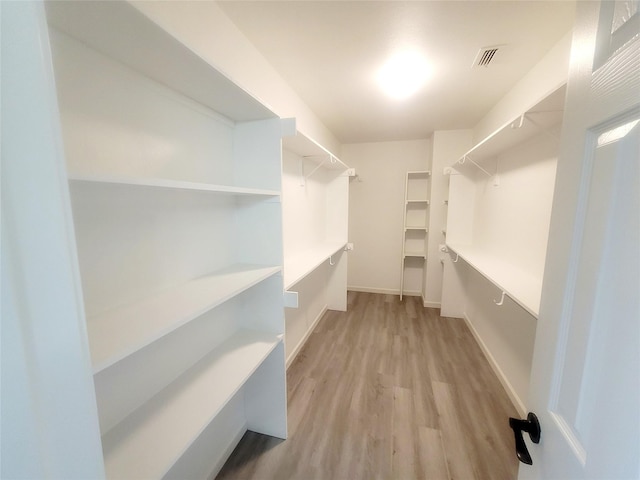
(387,390)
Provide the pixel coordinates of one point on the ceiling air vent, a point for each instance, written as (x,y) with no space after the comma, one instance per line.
(487,56)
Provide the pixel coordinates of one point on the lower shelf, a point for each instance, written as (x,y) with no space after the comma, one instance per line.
(148,442)
(299,265)
(522,287)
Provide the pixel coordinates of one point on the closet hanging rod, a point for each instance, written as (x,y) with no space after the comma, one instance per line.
(467,157)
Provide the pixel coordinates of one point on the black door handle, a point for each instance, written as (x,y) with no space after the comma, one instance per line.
(532,427)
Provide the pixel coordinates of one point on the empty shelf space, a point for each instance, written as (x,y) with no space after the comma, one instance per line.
(148,442)
(522,287)
(299,265)
(122,331)
(171,184)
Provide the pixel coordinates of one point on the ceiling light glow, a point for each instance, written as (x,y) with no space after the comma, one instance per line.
(403,74)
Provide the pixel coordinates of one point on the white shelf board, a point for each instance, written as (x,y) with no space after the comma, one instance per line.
(541,117)
(120,332)
(171,184)
(522,287)
(301,264)
(415,254)
(418,200)
(121,31)
(419,173)
(409,227)
(308,148)
(148,442)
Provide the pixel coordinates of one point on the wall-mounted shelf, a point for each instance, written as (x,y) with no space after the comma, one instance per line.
(309,149)
(315,206)
(522,287)
(415,221)
(542,117)
(122,331)
(171,185)
(175,185)
(300,264)
(153,438)
(114,28)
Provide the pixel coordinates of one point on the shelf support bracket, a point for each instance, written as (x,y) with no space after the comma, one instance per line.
(466,157)
(499,303)
(331,159)
(520,123)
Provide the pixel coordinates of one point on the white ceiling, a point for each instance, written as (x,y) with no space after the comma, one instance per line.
(329,52)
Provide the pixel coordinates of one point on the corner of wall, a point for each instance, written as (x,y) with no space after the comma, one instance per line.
(549,74)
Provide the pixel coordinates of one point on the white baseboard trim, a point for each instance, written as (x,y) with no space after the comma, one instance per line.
(427,304)
(515,398)
(385,291)
(305,337)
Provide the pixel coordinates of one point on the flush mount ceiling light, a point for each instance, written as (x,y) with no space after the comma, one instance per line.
(403,74)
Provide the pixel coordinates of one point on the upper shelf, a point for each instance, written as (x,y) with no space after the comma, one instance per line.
(522,287)
(541,117)
(121,31)
(308,148)
(120,332)
(171,185)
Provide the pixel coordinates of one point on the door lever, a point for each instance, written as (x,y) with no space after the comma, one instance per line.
(532,427)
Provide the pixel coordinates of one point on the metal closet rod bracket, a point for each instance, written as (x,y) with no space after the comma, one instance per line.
(329,157)
(501,302)
(467,157)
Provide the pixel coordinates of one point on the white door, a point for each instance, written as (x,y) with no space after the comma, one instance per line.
(585,384)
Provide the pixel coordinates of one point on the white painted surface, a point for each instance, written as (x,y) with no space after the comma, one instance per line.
(376,201)
(152,439)
(123,331)
(205,29)
(315,215)
(352,40)
(48,418)
(585,387)
(179,237)
(545,77)
(447,145)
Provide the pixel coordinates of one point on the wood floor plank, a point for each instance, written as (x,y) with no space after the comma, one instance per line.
(386,390)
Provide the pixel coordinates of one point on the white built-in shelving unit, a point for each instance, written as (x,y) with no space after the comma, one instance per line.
(500,198)
(415,223)
(315,189)
(175,181)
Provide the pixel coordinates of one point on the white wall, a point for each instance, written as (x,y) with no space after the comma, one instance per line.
(448,146)
(545,77)
(376,202)
(203,27)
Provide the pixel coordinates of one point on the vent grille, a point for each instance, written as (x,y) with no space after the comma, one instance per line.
(487,56)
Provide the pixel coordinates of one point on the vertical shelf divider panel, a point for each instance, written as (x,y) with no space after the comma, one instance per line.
(175,180)
(415,224)
(315,190)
